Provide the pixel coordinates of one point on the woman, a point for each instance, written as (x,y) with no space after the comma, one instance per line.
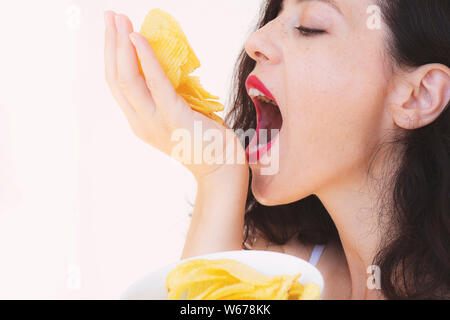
(363,144)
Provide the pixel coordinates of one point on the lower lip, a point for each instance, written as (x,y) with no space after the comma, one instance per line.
(253,153)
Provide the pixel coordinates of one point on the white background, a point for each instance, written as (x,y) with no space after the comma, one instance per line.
(85,207)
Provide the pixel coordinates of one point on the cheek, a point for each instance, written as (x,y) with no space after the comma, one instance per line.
(334,117)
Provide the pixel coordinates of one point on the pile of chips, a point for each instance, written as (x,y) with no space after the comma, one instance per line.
(227,279)
(178,60)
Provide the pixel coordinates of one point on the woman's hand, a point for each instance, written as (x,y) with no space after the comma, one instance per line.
(152,107)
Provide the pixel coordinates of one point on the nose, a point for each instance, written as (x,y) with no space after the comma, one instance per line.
(261,45)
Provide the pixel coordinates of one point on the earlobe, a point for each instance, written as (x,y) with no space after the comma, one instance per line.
(419,97)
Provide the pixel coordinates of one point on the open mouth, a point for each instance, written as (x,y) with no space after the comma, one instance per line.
(268,114)
(269,118)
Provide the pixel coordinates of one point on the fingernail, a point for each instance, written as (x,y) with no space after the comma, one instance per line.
(121,24)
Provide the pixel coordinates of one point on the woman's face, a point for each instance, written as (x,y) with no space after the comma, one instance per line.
(330,88)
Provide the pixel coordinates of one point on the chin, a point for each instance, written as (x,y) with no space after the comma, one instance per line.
(262,191)
(271,191)
(266,191)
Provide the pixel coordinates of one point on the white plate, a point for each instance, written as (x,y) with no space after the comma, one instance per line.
(153,286)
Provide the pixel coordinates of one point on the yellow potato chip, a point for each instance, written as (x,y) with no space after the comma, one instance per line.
(187,88)
(178,60)
(160,24)
(202,106)
(172,56)
(230,289)
(193,83)
(214,105)
(310,292)
(259,293)
(295,291)
(243,272)
(175,292)
(227,279)
(193,273)
(195,103)
(215,117)
(199,290)
(286,284)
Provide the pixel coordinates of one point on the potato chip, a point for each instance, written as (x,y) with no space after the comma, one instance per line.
(310,292)
(189,276)
(177,290)
(227,279)
(227,290)
(215,117)
(286,284)
(199,105)
(259,293)
(193,83)
(295,291)
(243,272)
(200,290)
(160,24)
(178,60)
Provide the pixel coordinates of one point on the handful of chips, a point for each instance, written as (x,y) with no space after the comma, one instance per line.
(178,60)
(227,279)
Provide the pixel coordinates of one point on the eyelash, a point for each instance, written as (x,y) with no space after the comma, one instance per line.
(309,32)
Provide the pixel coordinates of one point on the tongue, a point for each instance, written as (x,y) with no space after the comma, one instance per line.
(270,118)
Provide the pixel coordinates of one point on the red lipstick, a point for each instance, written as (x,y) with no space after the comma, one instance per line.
(252,151)
(254,82)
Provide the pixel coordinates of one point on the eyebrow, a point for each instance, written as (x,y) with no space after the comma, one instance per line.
(331,3)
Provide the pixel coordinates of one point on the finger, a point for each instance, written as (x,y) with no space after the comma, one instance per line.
(161,88)
(110,66)
(130,79)
(110,45)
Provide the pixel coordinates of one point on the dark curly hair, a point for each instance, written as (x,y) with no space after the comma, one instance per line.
(415,256)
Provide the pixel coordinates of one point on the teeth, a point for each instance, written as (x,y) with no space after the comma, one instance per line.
(255,93)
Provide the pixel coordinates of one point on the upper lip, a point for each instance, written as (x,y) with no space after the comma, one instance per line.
(254,82)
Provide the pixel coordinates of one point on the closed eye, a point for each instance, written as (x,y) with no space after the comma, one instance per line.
(307,32)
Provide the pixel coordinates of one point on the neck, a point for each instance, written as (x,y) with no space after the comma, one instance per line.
(352,203)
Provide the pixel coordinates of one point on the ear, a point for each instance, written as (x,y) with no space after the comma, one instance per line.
(417,98)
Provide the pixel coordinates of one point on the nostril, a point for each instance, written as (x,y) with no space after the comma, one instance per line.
(262,48)
(261,56)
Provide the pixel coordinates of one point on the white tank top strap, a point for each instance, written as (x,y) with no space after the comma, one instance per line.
(316,253)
